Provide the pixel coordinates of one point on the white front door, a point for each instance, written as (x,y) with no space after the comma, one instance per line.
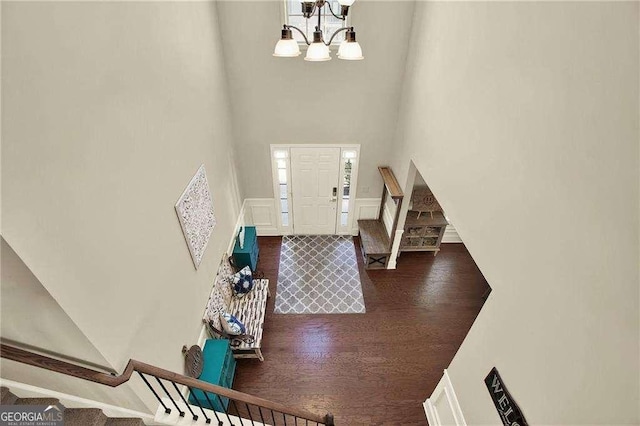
(315,173)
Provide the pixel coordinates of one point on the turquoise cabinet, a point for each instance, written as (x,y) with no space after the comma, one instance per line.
(219,369)
(247,255)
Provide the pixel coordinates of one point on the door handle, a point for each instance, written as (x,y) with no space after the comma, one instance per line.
(334,196)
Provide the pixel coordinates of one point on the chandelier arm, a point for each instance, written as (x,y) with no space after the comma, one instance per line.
(306,40)
(343,18)
(336,33)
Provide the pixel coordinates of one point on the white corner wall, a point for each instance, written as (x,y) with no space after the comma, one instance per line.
(32,317)
(523,118)
(108,110)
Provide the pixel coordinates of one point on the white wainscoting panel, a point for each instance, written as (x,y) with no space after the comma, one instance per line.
(261,213)
(387,217)
(365,208)
(451,235)
(442,407)
(239,222)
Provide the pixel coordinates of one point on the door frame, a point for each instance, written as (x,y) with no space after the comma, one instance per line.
(288,229)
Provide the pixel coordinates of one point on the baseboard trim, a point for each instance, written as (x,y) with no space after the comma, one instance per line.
(432,404)
(24,390)
(451,235)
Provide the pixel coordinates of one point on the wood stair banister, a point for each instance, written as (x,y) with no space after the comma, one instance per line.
(52,364)
(63,367)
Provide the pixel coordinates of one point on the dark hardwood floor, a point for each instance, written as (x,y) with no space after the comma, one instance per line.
(375,368)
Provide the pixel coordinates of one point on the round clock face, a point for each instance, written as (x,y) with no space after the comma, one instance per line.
(194,361)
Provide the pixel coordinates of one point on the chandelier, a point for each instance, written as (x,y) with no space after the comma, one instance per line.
(318,50)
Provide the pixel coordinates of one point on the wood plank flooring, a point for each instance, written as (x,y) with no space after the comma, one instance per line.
(375,368)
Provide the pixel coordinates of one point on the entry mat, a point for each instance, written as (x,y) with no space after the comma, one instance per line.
(318,275)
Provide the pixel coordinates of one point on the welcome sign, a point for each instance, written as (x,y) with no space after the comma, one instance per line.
(508,410)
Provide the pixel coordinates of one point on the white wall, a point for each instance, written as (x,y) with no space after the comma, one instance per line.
(284,100)
(523,119)
(109,109)
(32,317)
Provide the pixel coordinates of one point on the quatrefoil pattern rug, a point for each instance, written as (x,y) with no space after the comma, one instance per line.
(318,275)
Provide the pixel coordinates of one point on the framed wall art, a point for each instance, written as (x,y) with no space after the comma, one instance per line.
(196,216)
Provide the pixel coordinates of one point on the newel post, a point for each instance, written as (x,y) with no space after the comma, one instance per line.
(328,420)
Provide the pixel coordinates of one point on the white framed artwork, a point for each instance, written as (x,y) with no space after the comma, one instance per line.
(196,216)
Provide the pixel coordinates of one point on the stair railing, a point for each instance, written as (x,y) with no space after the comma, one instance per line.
(234,405)
(56,355)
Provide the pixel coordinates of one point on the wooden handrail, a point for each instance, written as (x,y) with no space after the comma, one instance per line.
(51,364)
(56,355)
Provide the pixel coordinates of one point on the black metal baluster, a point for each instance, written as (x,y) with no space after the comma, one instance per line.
(215,413)
(273,418)
(224,408)
(249,411)
(284,416)
(208,420)
(169,395)
(167,410)
(233,401)
(295,420)
(195,417)
(260,411)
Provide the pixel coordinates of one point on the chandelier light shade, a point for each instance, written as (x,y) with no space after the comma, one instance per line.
(287,47)
(350,49)
(351,52)
(318,50)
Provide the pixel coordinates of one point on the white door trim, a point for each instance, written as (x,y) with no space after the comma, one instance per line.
(288,229)
(452,406)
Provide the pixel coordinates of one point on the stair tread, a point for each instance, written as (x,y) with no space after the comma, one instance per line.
(124,421)
(84,417)
(36,401)
(72,416)
(7,397)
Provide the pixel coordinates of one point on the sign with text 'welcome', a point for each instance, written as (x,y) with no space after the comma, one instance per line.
(508,410)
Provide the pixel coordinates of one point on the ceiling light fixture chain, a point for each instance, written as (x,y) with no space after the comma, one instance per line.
(318,50)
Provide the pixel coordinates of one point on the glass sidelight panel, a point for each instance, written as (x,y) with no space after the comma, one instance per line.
(281,165)
(347,158)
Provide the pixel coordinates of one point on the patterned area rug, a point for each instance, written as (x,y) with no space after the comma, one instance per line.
(318,275)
